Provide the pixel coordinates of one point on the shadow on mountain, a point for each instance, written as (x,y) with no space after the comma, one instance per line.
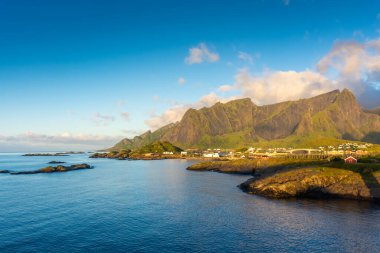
(371,182)
(349,137)
(373,137)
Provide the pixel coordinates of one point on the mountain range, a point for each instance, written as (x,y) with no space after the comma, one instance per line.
(322,120)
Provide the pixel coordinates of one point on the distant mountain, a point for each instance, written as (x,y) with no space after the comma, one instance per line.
(330,117)
(374,110)
(142,140)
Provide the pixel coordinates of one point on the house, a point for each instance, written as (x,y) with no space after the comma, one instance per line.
(167,153)
(350,160)
(210,155)
(183,153)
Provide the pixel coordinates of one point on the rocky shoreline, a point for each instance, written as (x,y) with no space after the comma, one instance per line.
(252,166)
(129,156)
(317,182)
(281,179)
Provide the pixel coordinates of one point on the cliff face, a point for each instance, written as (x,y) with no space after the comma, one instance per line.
(335,114)
(217,120)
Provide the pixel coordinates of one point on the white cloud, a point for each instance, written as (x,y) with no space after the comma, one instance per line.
(245,57)
(171,115)
(181,81)
(201,54)
(354,65)
(125,116)
(225,88)
(278,86)
(102,120)
(286,2)
(350,65)
(176,112)
(63,141)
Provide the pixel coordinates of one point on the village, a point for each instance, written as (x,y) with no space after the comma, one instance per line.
(346,150)
(343,150)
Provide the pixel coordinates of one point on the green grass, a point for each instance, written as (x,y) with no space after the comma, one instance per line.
(158,147)
(231,140)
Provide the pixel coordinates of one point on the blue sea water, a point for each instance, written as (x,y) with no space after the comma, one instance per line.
(158,206)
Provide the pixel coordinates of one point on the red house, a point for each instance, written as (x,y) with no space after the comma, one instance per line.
(350,160)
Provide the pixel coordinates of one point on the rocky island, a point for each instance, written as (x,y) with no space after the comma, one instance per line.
(288,178)
(51,169)
(54,154)
(317,182)
(46,154)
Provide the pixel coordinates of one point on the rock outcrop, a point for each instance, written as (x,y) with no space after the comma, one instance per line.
(119,155)
(46,154)
(51,169)
(257,167)
(317,182)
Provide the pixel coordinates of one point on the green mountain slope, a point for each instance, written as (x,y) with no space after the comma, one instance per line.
(158,147)
(329,117)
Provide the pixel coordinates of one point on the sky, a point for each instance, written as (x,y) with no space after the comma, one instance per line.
(82,74)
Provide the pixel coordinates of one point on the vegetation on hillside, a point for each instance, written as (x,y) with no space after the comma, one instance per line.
(328,119)
(158,147)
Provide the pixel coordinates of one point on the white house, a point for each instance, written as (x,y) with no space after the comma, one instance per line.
(211,155)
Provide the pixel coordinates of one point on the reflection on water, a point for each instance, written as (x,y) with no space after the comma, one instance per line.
(152,206)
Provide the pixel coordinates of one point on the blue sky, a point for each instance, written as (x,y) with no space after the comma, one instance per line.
(82,74)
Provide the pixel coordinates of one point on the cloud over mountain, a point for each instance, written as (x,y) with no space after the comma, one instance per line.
(349,64)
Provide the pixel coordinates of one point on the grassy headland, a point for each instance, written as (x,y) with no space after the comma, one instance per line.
(285,178)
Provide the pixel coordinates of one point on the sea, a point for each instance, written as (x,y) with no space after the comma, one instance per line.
(159,206)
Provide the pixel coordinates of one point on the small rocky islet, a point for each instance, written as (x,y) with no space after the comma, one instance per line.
(51,169)
(56,162)
(46,154)
(54,154)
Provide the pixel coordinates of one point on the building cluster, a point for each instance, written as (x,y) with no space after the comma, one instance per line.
(343,150)
(347,149)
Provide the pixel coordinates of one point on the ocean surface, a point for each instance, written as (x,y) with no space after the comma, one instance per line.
(159,206)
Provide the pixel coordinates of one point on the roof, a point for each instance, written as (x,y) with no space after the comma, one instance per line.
(350,157)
